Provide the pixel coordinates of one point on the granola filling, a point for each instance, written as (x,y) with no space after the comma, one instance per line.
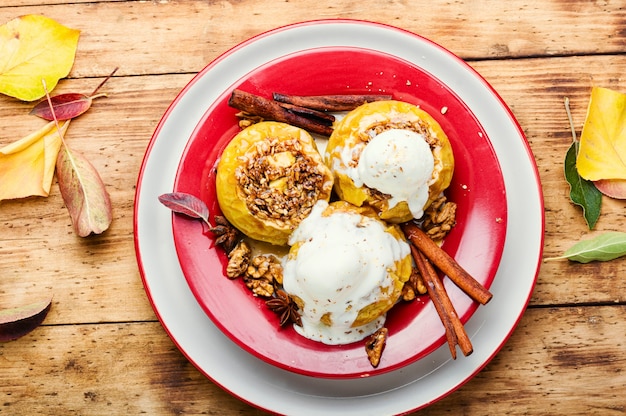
(279,181)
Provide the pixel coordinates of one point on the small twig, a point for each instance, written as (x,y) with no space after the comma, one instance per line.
(54,116)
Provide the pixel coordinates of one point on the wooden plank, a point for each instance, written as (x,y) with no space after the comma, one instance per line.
(41,255)
(147,37)
(554,358)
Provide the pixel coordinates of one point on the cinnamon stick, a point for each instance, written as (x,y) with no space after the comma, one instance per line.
(341,102)
(272,110)
(444,262)
(322,117)
(455,331)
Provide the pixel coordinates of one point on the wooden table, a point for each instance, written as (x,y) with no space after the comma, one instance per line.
(101,349)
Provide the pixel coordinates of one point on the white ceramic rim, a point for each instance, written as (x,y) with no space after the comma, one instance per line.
(282,392)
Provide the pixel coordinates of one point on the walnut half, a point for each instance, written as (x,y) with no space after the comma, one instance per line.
(263,273)
(439,218)
(375,345)
(238,260)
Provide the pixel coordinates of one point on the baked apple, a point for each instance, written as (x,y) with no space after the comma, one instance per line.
(392,156)
(345,269)
(268,179)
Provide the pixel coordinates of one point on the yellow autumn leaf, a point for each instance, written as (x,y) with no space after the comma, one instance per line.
(32,48)
(27,165)
(602,151)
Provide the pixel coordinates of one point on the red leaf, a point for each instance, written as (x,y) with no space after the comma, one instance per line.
(65,106)
(17,322)
(186,204)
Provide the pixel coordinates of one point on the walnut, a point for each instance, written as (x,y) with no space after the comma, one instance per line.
(414,286)
(267,267)
(238,260)
(417,281)
(260,287)
(375,345)
(439,218)
(408,293)
(246,119)
(262,274)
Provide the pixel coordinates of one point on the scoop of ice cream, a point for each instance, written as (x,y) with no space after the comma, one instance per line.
(347,269)
(382,132)
(399,163)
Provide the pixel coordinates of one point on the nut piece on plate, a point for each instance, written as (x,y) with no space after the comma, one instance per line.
(268,179)
(392,156)
(375,345)
(345,269)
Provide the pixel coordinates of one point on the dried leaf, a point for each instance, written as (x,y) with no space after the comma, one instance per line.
(66,106)
(32,48)
(602,153)
(84,193)
(604,247)
(17,322)
(69,105)
(186,204)
(27,165)
(582,192)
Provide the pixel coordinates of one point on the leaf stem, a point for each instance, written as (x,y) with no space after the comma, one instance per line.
(103,82)
(571,121)
(54,116)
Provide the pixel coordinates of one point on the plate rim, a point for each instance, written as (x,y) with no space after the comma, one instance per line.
(142,189)
(189,235)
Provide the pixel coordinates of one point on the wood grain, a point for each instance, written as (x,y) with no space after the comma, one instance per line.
(101,349)
(154,32)
(132,368)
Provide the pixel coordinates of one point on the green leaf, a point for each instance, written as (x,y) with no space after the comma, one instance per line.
(604,247)
(582,192)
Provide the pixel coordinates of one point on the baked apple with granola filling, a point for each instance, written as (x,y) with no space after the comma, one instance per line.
(268,179)
(392,156)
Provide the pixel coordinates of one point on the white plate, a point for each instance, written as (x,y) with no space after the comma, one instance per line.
(280,391)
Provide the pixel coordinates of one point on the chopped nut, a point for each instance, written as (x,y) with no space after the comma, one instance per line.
(260,287)
(238,260)
(375,345)
(417,282)
(414,286)
(408,293)
(266,267)
(247,119)
(439,218)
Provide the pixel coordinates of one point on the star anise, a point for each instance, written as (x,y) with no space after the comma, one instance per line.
(226,235)
(283,305)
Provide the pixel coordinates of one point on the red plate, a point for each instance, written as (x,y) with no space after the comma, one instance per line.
(414,328)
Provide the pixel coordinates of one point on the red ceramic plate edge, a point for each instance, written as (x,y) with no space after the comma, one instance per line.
(191,270)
